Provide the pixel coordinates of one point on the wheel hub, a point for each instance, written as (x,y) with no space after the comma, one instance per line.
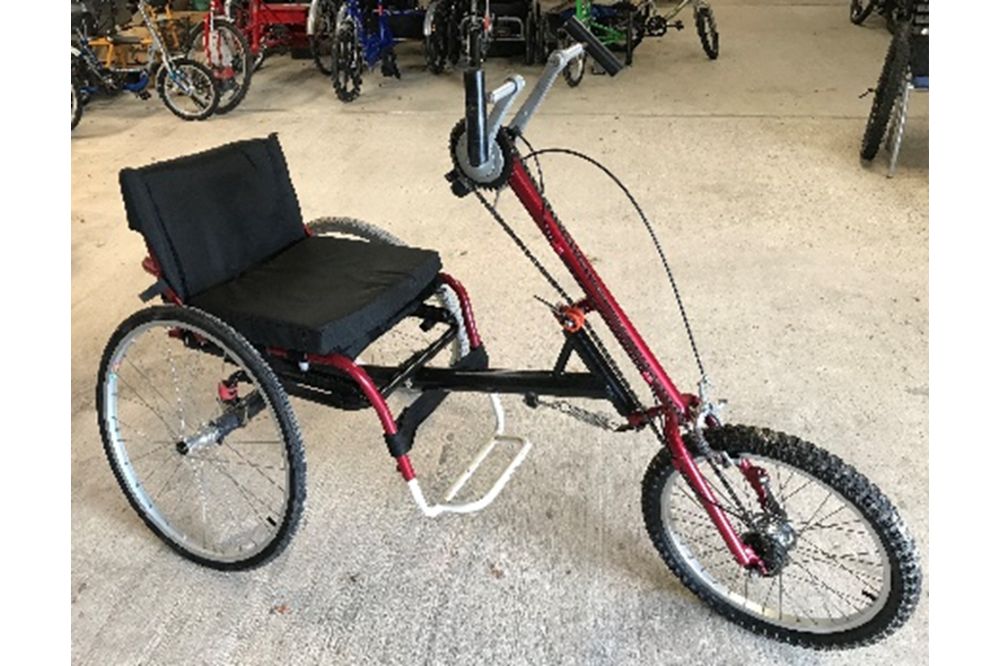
(773,541)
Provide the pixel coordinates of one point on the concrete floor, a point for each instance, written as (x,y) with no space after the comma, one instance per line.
(805,276)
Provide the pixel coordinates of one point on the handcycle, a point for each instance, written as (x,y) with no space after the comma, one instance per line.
(364,37)
(186,87)
(776,534)
(622,26)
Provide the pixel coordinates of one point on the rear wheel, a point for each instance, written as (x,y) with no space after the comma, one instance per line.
(188,90)
(708,33)
(321,41)
(842,570)
(227,55)
(348,62)
(890,86)
(200,437)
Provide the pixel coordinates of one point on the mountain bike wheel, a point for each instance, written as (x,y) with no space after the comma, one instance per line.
(860,10)
(227,55)
(576,68)
(890,86)
(189,92)
(348,62)
(321,41)
(708,33)
(76,103)
(200,437)
(842,569)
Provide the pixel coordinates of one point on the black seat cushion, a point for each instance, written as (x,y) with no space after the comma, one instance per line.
(324,295)
(210,216)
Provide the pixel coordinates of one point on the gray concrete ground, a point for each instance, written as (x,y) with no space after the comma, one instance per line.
(805,275)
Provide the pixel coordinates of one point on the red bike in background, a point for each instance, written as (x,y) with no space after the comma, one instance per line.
(279,27)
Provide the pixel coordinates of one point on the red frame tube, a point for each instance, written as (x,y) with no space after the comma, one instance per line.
(601,299)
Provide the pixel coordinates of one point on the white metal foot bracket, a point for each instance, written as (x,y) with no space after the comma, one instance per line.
(522,445)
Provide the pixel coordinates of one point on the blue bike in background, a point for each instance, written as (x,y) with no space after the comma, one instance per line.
(365,35)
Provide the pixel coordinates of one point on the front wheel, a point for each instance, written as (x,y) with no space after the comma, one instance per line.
(200,437)
(227,54)
(348,62)
(842,570)
(708,32)
(188,89)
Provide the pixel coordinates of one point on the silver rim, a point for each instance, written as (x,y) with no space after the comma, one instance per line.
(224,500)
(188,90)
(837,576)
(73,101)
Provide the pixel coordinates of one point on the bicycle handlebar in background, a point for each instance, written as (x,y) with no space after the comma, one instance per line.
(598,51)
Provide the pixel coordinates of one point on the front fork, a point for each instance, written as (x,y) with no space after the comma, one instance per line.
(682,460)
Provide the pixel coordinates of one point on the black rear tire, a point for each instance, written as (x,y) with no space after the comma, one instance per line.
(890,86)
(877,517)
(708,33)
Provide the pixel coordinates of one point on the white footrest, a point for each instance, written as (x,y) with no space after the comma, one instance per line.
(523,447)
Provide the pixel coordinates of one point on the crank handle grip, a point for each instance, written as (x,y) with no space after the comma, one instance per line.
(595,48)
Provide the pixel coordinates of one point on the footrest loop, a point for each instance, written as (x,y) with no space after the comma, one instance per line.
(523,447)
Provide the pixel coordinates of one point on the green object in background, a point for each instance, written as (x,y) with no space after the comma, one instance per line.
(200,5)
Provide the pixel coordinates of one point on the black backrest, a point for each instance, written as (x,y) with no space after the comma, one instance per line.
(210,216)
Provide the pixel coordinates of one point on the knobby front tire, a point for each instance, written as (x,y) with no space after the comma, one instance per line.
(851,574)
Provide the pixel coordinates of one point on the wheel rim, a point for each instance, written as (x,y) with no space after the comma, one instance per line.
(189,90)
(222,501)
(837,576)
(74,101)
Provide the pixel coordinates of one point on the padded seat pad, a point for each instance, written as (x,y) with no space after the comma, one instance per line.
(324,295)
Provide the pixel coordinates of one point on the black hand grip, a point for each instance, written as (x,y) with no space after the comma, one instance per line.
(595,48)
(475,104)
